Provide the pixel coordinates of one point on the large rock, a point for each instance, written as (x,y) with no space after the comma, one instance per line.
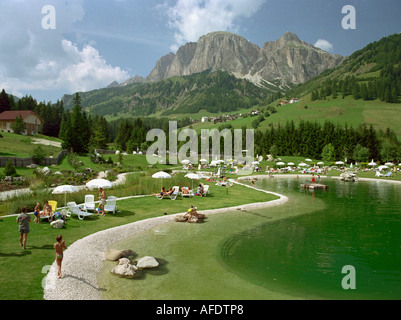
(125,269)
(114,254)
(147,263)
(58,224)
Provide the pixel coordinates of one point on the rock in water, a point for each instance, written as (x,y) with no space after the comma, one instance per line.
(147,263)
(114,254)
(125,269)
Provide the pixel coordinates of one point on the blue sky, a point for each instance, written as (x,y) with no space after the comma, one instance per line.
(98,41)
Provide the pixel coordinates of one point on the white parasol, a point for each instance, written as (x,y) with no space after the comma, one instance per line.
(161,175)
(99,183)
(65,189)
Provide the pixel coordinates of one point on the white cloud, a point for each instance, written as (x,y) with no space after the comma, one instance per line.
(193,18)
(324,45)
(35,59)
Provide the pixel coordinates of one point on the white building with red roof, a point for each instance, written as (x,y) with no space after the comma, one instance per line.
(33,123)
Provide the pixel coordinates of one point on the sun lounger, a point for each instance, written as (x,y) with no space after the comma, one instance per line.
(388,174)
(190,193)
(173,195)
(53,204)
(110,205)
(76,210)
(89,202)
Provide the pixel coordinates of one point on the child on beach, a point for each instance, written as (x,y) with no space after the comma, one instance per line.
(58,247)
(37,212)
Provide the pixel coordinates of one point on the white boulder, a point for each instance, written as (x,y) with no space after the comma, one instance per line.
(125,268)
(147,263)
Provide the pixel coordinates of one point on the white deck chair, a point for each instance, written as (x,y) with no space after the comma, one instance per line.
(205,190)
(89,202)
(74,209)
(110,205)
(190,193)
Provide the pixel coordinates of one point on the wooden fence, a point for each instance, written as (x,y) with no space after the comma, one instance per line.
(24,162)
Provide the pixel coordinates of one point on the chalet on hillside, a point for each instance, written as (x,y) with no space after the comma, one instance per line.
(284,102)
(33,123)
(294,100)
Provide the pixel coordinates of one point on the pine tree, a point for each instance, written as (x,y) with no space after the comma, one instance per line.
(4,101)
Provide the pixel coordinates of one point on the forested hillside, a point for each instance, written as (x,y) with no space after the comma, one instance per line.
(373,72)
(211,91)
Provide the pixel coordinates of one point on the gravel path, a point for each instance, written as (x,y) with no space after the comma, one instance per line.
(83,260)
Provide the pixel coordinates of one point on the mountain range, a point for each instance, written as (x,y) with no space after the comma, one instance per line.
(279,64)
(186,82)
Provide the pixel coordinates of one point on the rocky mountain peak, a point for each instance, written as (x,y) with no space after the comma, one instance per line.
(288,59)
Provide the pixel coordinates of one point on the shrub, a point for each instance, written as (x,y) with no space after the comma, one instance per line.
(39,154)
(10,170)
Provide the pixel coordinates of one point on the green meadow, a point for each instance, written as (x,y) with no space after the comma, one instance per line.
(343,111)
(21,270)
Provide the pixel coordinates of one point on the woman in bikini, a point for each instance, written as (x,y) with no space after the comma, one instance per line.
(59,246)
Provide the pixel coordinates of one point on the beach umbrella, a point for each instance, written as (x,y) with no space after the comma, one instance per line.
(372,163)
(280,163)
(382,167)
(390,164)
(320,163)
(303,164)
(64,190)
(340,162)
(291,163)
(99,183)
(193,176)
(161,175)
(186,161)
(203,161)
(309,160)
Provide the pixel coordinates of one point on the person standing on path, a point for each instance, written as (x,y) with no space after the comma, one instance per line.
(102,198)
(23,219)
(59,246)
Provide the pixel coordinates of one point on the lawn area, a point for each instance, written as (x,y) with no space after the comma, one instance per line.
(14,145)
(21,271)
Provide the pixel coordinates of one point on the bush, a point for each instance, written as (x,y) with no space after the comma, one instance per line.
(39,154)
(10,170)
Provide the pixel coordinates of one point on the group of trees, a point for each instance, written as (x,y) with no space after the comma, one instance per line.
(379,61)
(50,113)
(386,88)
(328,141)
(81,132)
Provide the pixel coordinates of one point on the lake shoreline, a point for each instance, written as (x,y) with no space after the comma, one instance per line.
(83,260)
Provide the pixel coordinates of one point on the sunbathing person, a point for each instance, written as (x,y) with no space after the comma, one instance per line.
(200,191)
(162,192)
(47,210)
(185,190)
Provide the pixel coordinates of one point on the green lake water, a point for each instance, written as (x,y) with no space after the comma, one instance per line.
(294,251)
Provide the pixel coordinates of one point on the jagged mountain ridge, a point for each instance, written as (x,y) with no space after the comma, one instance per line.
(283,63)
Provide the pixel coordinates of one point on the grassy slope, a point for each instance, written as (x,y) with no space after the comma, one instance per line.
(344,111)
(14,145)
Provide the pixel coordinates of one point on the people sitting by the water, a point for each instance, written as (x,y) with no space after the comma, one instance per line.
(47,210)
(313,179)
